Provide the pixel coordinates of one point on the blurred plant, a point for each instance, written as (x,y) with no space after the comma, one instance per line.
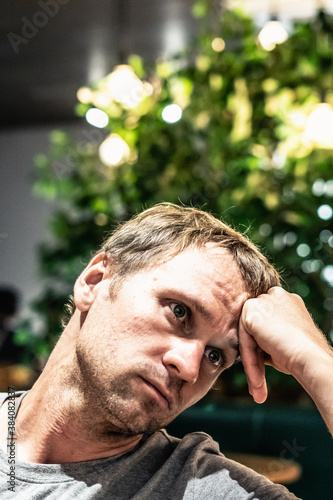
(222,126)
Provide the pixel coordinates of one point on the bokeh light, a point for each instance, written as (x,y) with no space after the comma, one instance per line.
(327,274)
(114,151)
(319,127)
(272,34)
(84,95)
(97,117)
(218,44)
(311,266)
(325,235)
(172,113)
(125,87)
(303,250)
(325,212)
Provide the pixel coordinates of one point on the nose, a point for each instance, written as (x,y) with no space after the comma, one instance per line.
(183,360)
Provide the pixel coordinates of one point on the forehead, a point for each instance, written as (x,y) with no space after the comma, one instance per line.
(208,275)
(202,263)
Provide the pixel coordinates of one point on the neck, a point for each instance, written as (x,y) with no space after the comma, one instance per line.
(55,423)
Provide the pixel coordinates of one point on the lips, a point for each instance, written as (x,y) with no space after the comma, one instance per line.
(160,389)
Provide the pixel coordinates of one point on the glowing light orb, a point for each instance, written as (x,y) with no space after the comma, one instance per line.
(97,117)
(172,113)
(114,151)
(272,34)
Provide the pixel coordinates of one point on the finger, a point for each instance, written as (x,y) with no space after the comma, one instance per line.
(253,359)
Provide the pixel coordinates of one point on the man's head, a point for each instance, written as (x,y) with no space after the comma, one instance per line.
(165,230)
(158,310)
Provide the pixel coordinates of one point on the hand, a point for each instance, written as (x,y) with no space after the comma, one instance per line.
(276,329)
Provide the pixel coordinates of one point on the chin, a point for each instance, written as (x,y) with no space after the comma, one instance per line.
(133,422)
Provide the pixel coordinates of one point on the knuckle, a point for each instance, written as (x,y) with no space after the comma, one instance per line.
(297,298)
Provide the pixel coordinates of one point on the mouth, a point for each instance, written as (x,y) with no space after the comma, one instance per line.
(159,391)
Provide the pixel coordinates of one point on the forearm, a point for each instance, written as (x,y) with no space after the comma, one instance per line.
(317,379)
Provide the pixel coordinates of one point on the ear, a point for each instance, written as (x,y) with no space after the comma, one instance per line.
(86,285)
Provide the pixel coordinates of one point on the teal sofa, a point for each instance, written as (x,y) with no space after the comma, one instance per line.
(296,434)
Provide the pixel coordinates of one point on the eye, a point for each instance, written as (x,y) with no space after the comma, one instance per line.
(181,312)
(214,356)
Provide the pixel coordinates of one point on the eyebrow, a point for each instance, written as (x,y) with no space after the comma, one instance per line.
(195,304)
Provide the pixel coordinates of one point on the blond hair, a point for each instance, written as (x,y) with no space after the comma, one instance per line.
(166,229)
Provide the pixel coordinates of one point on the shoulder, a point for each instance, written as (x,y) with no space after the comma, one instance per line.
(209,472)
(191,444)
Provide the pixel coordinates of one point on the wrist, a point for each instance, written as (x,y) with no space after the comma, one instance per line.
(315,374)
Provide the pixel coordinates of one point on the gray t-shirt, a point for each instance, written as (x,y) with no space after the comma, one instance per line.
(161,467)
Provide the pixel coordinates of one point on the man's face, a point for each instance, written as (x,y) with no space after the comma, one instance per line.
(158,346)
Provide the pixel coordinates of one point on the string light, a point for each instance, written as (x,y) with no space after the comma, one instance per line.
(272,34)
(125,87)
(114,151)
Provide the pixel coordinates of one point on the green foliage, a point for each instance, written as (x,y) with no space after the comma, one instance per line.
(237,151)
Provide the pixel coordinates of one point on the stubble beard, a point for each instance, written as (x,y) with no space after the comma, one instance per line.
(133,414)
(115,407)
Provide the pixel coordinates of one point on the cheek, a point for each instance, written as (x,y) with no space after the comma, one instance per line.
(198,391)
(133,323)
(142,317)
